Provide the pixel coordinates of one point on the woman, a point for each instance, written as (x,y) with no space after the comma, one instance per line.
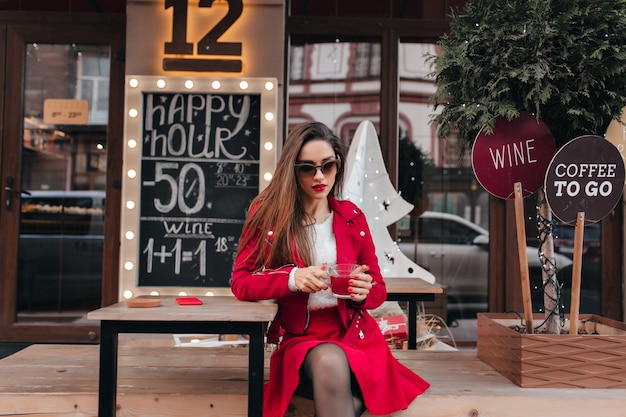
(331,350)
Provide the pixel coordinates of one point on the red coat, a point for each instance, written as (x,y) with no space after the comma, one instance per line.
(354,245)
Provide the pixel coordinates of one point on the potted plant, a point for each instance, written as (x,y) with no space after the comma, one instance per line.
(565,62)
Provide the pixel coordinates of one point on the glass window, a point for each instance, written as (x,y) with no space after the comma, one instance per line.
(367,60)
(93,82)
(296,63)
(337,83)
(451,209)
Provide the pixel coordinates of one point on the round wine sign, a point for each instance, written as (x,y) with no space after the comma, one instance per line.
(518,150)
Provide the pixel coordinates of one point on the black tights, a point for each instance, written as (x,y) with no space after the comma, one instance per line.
(326,378)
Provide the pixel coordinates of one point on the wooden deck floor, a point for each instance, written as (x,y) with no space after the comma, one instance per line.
(157,378)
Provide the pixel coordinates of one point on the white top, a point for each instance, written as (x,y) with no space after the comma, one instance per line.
(325,252)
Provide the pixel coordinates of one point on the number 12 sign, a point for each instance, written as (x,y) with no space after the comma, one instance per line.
(207,45)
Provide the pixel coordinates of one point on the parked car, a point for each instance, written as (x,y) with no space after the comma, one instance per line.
(564,240)
(591,271)
(455,251)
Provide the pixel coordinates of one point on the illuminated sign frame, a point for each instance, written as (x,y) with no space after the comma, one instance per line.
(131,183)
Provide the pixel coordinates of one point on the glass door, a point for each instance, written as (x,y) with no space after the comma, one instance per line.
(59,166)
(62,187)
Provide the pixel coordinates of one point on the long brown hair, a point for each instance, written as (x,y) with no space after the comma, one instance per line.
(277,218)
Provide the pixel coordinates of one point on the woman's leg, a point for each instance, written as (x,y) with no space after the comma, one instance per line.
(326,372)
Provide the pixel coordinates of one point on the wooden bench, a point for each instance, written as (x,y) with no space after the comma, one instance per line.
(157,378)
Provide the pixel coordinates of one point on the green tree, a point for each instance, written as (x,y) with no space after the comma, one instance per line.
(562,60)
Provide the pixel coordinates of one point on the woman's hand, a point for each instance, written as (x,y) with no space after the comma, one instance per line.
(360,284)
(311,279)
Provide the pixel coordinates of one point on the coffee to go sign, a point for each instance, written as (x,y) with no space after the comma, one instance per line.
(576,174)
(586,175)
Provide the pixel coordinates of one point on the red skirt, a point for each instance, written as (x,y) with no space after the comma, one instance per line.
(387,385)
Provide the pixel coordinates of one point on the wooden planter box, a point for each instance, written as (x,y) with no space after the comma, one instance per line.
(551,360)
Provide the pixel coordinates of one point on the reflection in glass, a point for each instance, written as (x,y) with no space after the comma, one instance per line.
(63,181)
(337,83)
(591,271)
(449,205)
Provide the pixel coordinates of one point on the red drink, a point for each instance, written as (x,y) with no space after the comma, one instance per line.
(340,286)
(340,275)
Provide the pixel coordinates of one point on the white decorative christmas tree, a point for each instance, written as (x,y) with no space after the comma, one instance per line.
(368,186)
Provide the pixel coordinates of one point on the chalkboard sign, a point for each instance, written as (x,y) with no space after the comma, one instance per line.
(199,173)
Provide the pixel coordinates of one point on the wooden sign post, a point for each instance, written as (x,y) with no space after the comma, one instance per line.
(576,272)
(511,163)
(523,258)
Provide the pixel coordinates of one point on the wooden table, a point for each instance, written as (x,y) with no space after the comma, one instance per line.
(411,290)
(217,315)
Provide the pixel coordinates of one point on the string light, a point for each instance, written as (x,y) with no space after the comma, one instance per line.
(545,229)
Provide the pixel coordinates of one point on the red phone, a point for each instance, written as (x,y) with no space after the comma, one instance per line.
(188,301)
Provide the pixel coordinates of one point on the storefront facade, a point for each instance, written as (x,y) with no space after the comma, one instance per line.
(63,173)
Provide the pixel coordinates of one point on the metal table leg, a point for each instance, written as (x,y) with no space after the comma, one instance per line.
(412,333)
(256,358)
(107,389)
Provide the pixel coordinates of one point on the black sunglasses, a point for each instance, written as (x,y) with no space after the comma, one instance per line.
(310,169)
